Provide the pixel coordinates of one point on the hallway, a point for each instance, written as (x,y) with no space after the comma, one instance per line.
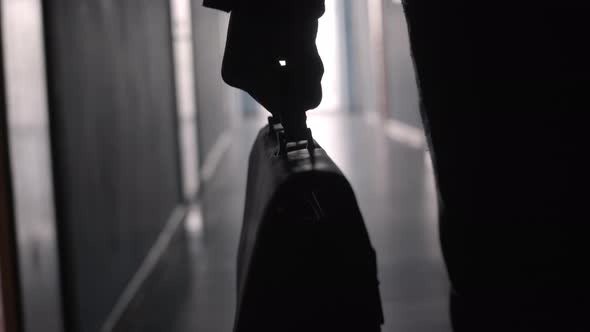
(124,156)
(394,186)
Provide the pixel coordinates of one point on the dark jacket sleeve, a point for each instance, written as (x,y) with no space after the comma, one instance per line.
(225,5)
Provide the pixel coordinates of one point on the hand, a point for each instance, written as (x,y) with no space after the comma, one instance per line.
(261,34)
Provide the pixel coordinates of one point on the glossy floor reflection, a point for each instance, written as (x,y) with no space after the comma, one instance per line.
(395,190)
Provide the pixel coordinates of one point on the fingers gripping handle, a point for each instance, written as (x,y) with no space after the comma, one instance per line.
(271,54)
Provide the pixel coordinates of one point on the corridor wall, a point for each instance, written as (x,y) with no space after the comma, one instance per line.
(113,124)
(219,106)
(402,90)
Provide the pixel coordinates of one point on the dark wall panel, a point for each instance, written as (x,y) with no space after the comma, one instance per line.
(112,110)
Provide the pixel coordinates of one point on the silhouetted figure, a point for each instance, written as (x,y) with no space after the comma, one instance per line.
(305,258)
(504,90)
(505,93)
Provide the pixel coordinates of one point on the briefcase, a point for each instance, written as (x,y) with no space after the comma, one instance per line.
(305,260)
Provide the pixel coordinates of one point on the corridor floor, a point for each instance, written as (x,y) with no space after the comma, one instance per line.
(394,186)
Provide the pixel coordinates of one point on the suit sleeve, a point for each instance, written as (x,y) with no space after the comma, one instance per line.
(225,5)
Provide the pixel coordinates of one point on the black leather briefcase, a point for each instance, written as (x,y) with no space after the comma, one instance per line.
(305,259)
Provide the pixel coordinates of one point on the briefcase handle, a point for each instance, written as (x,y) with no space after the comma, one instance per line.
(277,130)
